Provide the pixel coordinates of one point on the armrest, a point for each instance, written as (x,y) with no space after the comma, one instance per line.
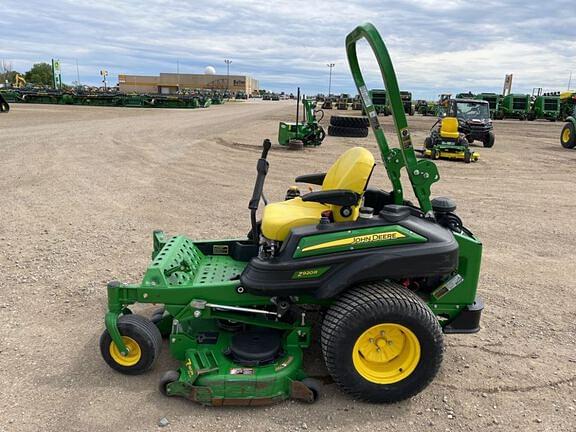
(339,197)
(316,179)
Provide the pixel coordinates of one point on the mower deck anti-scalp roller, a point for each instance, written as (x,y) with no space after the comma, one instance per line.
(388,276)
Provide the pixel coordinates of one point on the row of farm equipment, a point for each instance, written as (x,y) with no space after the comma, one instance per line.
(378,96)
(546,106)
(196,99)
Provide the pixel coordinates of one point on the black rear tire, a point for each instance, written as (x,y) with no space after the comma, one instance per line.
(349,122)
(357,312)
(489,139)
(347,131)
(145,337)
(568,136)
(428,143)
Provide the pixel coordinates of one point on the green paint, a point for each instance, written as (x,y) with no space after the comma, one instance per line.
(350,240)
(470,258)
(422,173)
(309,131)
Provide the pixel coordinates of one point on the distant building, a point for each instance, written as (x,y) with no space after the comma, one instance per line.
(167,83)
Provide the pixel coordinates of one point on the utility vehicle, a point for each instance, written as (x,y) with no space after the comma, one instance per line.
(473,119)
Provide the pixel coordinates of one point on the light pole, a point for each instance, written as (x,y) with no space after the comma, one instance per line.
(330,65)
(228,62)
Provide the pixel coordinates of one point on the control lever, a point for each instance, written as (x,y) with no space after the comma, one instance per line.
(262,170)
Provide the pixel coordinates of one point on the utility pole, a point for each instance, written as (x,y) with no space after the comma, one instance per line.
(77,75)
(178,73)
(104,74)
(228,62)
(330,65)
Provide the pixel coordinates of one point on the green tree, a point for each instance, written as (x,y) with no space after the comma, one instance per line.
(9,76)
(40,74)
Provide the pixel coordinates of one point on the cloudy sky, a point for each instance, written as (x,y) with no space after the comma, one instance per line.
(436,45)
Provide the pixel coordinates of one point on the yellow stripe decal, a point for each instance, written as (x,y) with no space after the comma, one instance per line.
(369,238)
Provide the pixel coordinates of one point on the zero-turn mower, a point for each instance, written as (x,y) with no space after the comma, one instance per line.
(446,142)
(388,276)
(307,132)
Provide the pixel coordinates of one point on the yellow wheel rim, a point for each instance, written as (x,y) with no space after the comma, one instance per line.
(386,353)
(130,359)
(566,135)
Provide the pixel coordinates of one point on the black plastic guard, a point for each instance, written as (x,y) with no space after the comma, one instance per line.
(469,319)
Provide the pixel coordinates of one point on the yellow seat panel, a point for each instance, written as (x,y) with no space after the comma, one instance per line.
(449,128)
(351,172)
(280,217)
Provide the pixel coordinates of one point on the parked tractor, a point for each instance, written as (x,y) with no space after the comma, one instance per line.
(568,135)
(493,100)
(567,104)
(407,102)
(426,108)
(515,106)
(380,101)
(344,102)
(545,107)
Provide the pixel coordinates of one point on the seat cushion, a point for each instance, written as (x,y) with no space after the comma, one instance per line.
(280,217)
(449,128)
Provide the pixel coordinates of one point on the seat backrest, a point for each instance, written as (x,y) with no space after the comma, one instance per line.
(449,127)
(351,171)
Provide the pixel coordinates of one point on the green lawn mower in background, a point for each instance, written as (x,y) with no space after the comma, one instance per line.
(388,277)
(447,142)
(308,132)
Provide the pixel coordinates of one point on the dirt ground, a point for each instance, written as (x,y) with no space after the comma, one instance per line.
(83,188)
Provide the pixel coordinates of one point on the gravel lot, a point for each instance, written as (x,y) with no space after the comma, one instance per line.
(83,188)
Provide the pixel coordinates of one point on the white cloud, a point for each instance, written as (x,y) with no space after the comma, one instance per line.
(447,45)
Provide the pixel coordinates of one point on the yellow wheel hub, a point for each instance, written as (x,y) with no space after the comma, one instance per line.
(566,135)
(386,353)
(130,359)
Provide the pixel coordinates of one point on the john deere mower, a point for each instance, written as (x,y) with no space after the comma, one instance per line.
(388,276)
(568,135)
(308,132)
(446,142)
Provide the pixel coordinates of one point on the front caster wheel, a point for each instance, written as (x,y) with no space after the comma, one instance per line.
(314,386)
(381,342)
(168,378)
(143,340)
